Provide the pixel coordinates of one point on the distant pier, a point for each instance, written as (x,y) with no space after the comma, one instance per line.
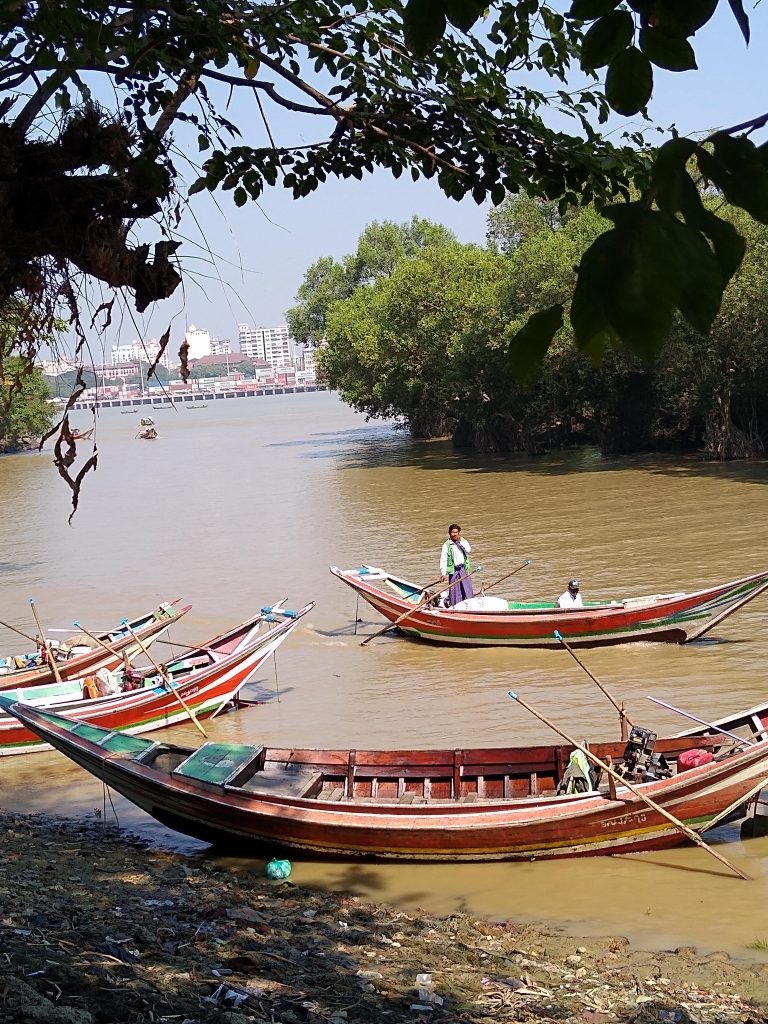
(167,400)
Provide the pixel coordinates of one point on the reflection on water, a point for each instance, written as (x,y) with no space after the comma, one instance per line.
(250,501)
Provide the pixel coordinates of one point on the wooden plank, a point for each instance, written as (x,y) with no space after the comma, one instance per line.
(458,761)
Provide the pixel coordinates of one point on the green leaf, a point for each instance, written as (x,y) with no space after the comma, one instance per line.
(728,244)
(606,38)
(739,14)
(643,286)
(665,51)
(588,10)
(463,13)
(197,186)
(240,196)
(588,319)
(683,17)
(701,280)
(737,168)
(529,346)
(424,26)
(673,187)
(630,280)
(629,82)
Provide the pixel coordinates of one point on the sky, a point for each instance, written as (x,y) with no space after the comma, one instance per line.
(245,265)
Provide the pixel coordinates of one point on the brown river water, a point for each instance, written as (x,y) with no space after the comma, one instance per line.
(248,501)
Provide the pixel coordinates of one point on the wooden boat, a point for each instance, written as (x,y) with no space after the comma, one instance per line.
(148,433)
(82,655)
(673,618)
(433,805)
(205,679)
(82,435)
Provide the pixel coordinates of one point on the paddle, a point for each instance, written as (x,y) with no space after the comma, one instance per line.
(709,725)
(680,825)
(624,718)
(35,639)
(425,597)
(126,625)
(51,658)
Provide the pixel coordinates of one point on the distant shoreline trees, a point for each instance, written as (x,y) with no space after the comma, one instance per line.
(430,341)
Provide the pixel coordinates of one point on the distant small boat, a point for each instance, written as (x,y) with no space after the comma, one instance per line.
(82,435)
(147,433)
(196,405)
(163,405)
(147,421)
(127,412)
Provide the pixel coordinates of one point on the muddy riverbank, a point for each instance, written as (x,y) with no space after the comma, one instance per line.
(97,927)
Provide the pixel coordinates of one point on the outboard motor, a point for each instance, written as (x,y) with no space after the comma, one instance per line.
(640,762)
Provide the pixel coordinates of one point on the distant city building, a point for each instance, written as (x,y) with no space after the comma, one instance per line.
(114,371)
(272,344)
(220,346)
(199,342)
(308,363)
(141,352)
(55,367)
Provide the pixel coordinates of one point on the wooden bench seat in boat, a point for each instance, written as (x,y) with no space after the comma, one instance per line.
(284,780)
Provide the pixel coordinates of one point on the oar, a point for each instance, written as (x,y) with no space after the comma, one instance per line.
(126,625)
(624,718)
(35,639)
(425,597)
(680,825)
(709,725)
(525,564)
(50,655)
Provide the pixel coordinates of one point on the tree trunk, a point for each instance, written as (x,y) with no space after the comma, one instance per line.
(723,440)
(427,425)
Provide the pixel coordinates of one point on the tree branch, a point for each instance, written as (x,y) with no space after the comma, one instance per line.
(268,88)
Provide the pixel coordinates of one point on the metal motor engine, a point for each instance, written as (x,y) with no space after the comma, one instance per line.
(640,762)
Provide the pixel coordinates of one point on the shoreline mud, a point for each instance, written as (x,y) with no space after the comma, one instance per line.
(97,926)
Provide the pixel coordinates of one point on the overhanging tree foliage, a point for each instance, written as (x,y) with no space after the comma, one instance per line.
(98,101)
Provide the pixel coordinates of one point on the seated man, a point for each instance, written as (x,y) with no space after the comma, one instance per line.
(571,598)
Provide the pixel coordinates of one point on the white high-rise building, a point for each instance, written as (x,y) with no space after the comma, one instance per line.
(272,344)
(199,341)
(220,347)
(141,352)
(250,341)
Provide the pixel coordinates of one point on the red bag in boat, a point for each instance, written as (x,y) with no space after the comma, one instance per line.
(693,758)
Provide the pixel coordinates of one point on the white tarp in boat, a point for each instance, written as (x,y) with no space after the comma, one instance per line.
(482,603)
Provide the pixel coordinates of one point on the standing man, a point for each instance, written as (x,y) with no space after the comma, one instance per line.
(571,598)
(455,566)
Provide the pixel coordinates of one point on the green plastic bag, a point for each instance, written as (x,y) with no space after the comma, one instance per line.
(278,868)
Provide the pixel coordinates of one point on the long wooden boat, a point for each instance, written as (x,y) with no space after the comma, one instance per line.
(205,679)
(433,805)
(82,656)
(674,618)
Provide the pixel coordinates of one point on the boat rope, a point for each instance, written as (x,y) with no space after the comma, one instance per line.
(357,612)
(277,678)
(106,791)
